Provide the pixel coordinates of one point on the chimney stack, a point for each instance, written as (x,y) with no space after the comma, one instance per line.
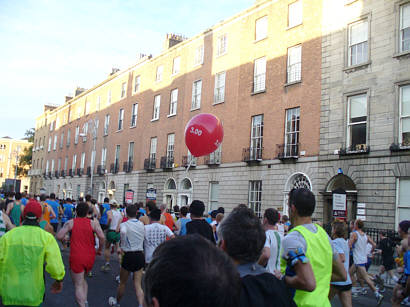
(173,39)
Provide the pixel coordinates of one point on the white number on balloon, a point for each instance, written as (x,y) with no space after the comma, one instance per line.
(198,132)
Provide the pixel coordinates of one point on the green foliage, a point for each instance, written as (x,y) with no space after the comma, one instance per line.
(25,161)
(29,135)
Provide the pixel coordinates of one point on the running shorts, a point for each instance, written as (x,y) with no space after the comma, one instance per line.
(342,288)
(133,261)
(81,264)
(113,236)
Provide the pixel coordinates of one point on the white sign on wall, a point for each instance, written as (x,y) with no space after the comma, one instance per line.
(361,211)
(339,202)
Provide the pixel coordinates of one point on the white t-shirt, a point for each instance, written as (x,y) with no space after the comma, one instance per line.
(132,236)
(360,249)
(116,218)
(281,229)
(155,234)
(273,242)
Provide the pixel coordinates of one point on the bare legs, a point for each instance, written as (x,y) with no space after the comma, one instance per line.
(137,284)
(81,288)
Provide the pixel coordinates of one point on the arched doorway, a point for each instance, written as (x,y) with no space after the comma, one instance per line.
(185,192)
(340,182)
(101,192)
(170,193)
(295,181)
(111,190)
(70,191)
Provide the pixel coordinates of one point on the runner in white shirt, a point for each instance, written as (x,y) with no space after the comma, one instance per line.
(272,250)
(155,234)
(132,248)
(114,217)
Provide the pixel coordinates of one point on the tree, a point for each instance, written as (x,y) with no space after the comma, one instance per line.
(25,159)
(29,135)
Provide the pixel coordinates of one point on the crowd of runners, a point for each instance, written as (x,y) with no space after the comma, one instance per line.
(186,257)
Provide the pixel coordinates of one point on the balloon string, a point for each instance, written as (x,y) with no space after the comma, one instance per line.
(189,165)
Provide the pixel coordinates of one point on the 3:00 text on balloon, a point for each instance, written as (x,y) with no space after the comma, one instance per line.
(198,132)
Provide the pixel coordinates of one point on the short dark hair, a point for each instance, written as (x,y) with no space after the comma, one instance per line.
(87,197)
(339,229)
(151,205)
(93,201)
(106,200)
(18,196)
(197,208)
(52,196)
(43,197)
(404,225)
(303,200)
(243,235)
(180,264)
(82,209)
(155,214)
(221,210)
(132,210)
(272,216)
(184,210)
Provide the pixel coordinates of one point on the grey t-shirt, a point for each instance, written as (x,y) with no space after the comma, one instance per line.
(295,240)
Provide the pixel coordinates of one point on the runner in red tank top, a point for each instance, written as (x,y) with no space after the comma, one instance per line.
(82,251)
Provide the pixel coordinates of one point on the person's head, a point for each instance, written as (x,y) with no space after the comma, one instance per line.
(221,210)
(301,202)
(271,217)
(163,208)
(52,196)
(219,217)
(382,234)
(80,199)
(32,210)
(150,206)
(242,235)
(197,208)
(43,197)
(106,200)
(113,204)
(18,196)
(184,211)
(403,228)
(358,225)
(82,209)
(176,208)
(214,213)
(155,215)
(183,272)
(132,211)
(93,201)
(339,229)
(88,198)
(285,218)
(68,200)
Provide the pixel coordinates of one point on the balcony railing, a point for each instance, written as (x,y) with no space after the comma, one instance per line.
(127,166)
(399,147)
(89,171)
(114,168)
(252,154)
(70,172)
(49,175)
(167,162)
(45,175)
(150,164)
(80,171)
(186,161)
(213,159)
(62,173)
(354,149)
(57,174)
(101,170)
(287,151)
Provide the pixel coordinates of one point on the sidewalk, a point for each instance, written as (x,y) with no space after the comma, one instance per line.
(374,269)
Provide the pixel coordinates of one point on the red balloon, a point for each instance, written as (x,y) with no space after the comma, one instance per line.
(203,134)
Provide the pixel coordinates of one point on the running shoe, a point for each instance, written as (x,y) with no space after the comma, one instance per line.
(380,289)
(117,278)
(112,301)
(363,291)
(379,298)
(90,274)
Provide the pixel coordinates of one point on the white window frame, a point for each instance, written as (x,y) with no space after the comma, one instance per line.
(215,157)
(123,89)
(74,163)
(213,195)
(103,157)
(98,103)
(52,167)
(59,164)
(77,133)
(219,91)
(350,124)
(222,44)
(134,115)
(87,108)
(259,75)
(199,55)
(82,162)
(261,28)
(361,44)
(121,119)
(159,73)
(49,143)
(68,137)
(47,166)
(294,64)
(156,108)
(256,143)
(401,204)
(137,83)
(65,164)
(292,131)
(295,14)
(196,95)
(55,142)
(176,65)
(403,28)
(131,146)
(170,146)
(106,124)
(153,149)
(61,139)
(402,117)
(173,102)
(255,197)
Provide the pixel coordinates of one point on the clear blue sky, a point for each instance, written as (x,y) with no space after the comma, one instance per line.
(48,47)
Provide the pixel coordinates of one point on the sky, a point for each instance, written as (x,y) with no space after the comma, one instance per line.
(49,47)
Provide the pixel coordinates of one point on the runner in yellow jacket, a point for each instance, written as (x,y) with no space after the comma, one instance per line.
(23,252)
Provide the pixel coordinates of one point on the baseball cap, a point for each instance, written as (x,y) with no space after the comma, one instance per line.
(32,210)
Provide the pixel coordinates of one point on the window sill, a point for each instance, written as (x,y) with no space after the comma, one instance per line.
(132,127)
(154,120)
(198,64)
(171,115)
(221,55)
(294,26)
(354,68)
(195,109)
(174,74)
(119,130)
(402,54)
(218,102)
(293,83)
(105,134)
(258,92)
(259,40)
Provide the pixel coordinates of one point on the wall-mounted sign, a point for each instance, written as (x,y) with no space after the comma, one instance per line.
(361,211)
(152,194)
(339,205)
(129,197)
